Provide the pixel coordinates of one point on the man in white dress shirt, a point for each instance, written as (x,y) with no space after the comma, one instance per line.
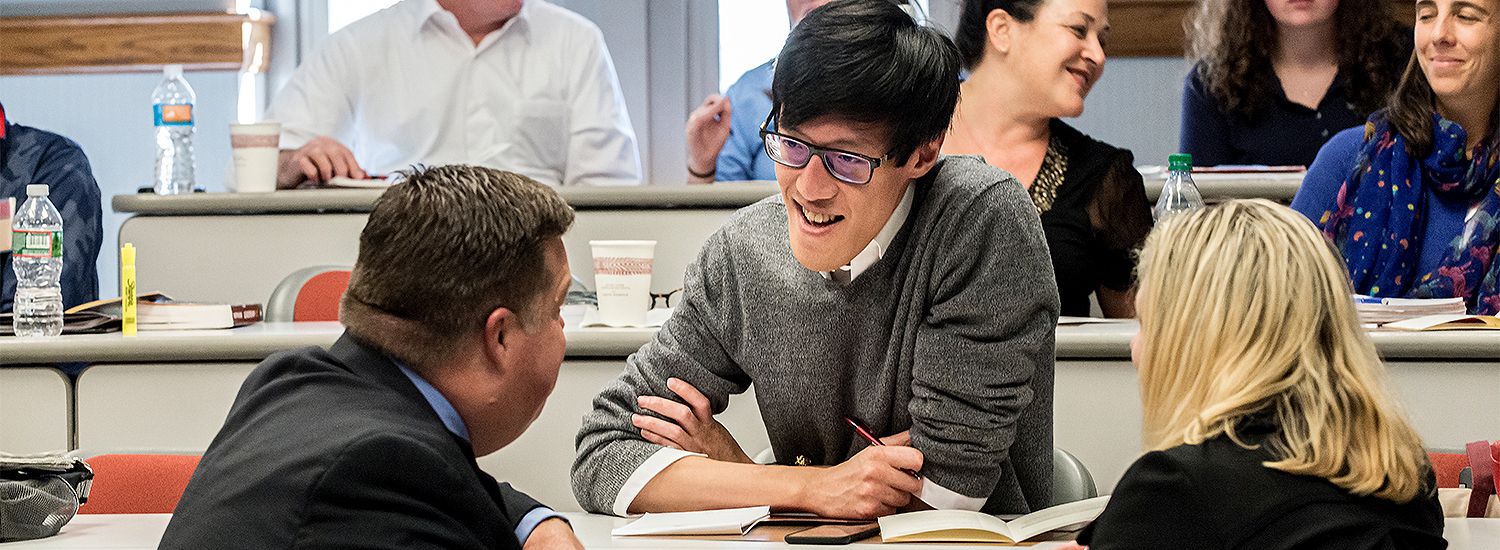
(519,85)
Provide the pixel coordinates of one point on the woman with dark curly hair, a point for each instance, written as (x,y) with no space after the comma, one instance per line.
(1032,62)
(1273,79)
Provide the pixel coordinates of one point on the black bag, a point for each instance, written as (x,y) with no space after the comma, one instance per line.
(40,493)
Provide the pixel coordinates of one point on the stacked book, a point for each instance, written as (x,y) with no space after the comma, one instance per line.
(1381,311)
(156,311)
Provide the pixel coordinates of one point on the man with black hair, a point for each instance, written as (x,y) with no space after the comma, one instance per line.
(885,285)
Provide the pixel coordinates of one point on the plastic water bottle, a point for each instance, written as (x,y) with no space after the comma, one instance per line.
(174,101)
(36,257)
(1178,194)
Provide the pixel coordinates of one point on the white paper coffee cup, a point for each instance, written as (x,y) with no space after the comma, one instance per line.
(622,278)
(256,151)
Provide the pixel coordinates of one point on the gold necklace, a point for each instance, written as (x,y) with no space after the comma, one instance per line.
(1044,190)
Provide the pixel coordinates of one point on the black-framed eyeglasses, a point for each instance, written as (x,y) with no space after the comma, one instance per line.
(666,299)
(846,166)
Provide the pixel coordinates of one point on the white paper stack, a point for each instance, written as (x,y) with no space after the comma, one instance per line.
(733,521)
(1379,311)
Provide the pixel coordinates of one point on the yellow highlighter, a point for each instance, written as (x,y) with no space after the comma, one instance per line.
(127,289)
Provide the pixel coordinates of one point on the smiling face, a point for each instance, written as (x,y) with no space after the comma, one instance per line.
(1059,54)
(1456,43)
(830,221)
(1302,13)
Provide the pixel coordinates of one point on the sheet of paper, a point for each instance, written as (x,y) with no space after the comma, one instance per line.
(1066,320)
(1459,321)
(732,521)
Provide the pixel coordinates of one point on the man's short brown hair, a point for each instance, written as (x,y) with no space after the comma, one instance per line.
(443,248)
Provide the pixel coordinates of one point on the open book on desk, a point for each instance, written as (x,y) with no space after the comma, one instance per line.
(966,526)
(1446,322)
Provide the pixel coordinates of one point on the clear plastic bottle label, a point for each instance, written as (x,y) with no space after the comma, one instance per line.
(174,115)
(36,244)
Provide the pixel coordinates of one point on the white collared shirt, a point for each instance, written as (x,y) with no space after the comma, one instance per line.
(407,85)
(874,251)
(934,495)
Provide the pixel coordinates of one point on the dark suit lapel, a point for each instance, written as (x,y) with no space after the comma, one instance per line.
(367,362)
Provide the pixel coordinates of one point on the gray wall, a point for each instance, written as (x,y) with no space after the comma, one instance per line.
(109,115)
(1136,105)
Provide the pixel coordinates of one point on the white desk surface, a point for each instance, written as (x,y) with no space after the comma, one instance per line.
(1112,340)
(729,195)
(250,343)
(144,531)
(255,342)
(1279,187)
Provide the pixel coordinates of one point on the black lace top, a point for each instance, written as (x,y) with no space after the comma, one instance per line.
(1095,214)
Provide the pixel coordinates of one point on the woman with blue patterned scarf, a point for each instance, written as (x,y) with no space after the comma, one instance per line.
(1410,199)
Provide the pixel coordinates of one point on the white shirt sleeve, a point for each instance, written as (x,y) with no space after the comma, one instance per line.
(318,100)
(644,474)
(601,142)
(941,498)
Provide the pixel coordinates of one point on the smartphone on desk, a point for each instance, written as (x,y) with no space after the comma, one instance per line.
(834,534)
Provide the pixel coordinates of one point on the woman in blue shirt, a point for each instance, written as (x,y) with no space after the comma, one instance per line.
(1273,79)
(1410,198)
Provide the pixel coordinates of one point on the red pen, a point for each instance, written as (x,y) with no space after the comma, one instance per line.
(865,433)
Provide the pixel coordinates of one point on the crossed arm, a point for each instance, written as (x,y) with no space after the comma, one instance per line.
(870,484)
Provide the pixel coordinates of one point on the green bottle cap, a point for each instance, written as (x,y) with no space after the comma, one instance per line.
(1180,161)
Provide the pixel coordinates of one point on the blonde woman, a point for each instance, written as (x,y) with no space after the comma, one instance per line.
(1265,404)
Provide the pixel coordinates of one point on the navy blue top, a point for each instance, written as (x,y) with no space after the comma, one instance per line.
(29,155)
(1444,215)
(744,157)
(1281,133)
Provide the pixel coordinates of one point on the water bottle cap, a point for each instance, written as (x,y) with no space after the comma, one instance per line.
(172,71)
(36,190)
(1180,161)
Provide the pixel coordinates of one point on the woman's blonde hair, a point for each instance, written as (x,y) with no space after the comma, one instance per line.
(1245,310)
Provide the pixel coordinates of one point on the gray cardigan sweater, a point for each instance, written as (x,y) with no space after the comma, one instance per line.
(949,334)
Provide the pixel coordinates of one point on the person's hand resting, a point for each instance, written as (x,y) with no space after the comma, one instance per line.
(707,130)
(690,427)
(319,160)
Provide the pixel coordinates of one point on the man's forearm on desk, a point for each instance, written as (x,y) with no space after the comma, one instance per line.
(700,483)
(875,482)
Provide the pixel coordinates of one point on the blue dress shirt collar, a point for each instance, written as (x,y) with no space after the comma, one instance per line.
(435,399)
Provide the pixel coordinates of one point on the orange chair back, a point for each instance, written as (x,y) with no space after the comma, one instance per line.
(138,483)
(1447,466)
(318,299)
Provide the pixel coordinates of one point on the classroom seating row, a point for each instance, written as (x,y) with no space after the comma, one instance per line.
(242,245)
(172,390)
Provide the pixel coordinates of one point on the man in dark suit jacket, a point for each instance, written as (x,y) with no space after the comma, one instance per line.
(453,345)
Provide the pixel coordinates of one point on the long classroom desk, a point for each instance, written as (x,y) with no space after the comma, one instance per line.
(144,532)
(235,248)
(172,391)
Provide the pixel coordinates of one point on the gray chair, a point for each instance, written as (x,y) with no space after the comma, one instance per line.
(1071,481)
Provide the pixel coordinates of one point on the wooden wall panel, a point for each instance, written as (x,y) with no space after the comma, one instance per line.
(1154,28)
(127,43)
